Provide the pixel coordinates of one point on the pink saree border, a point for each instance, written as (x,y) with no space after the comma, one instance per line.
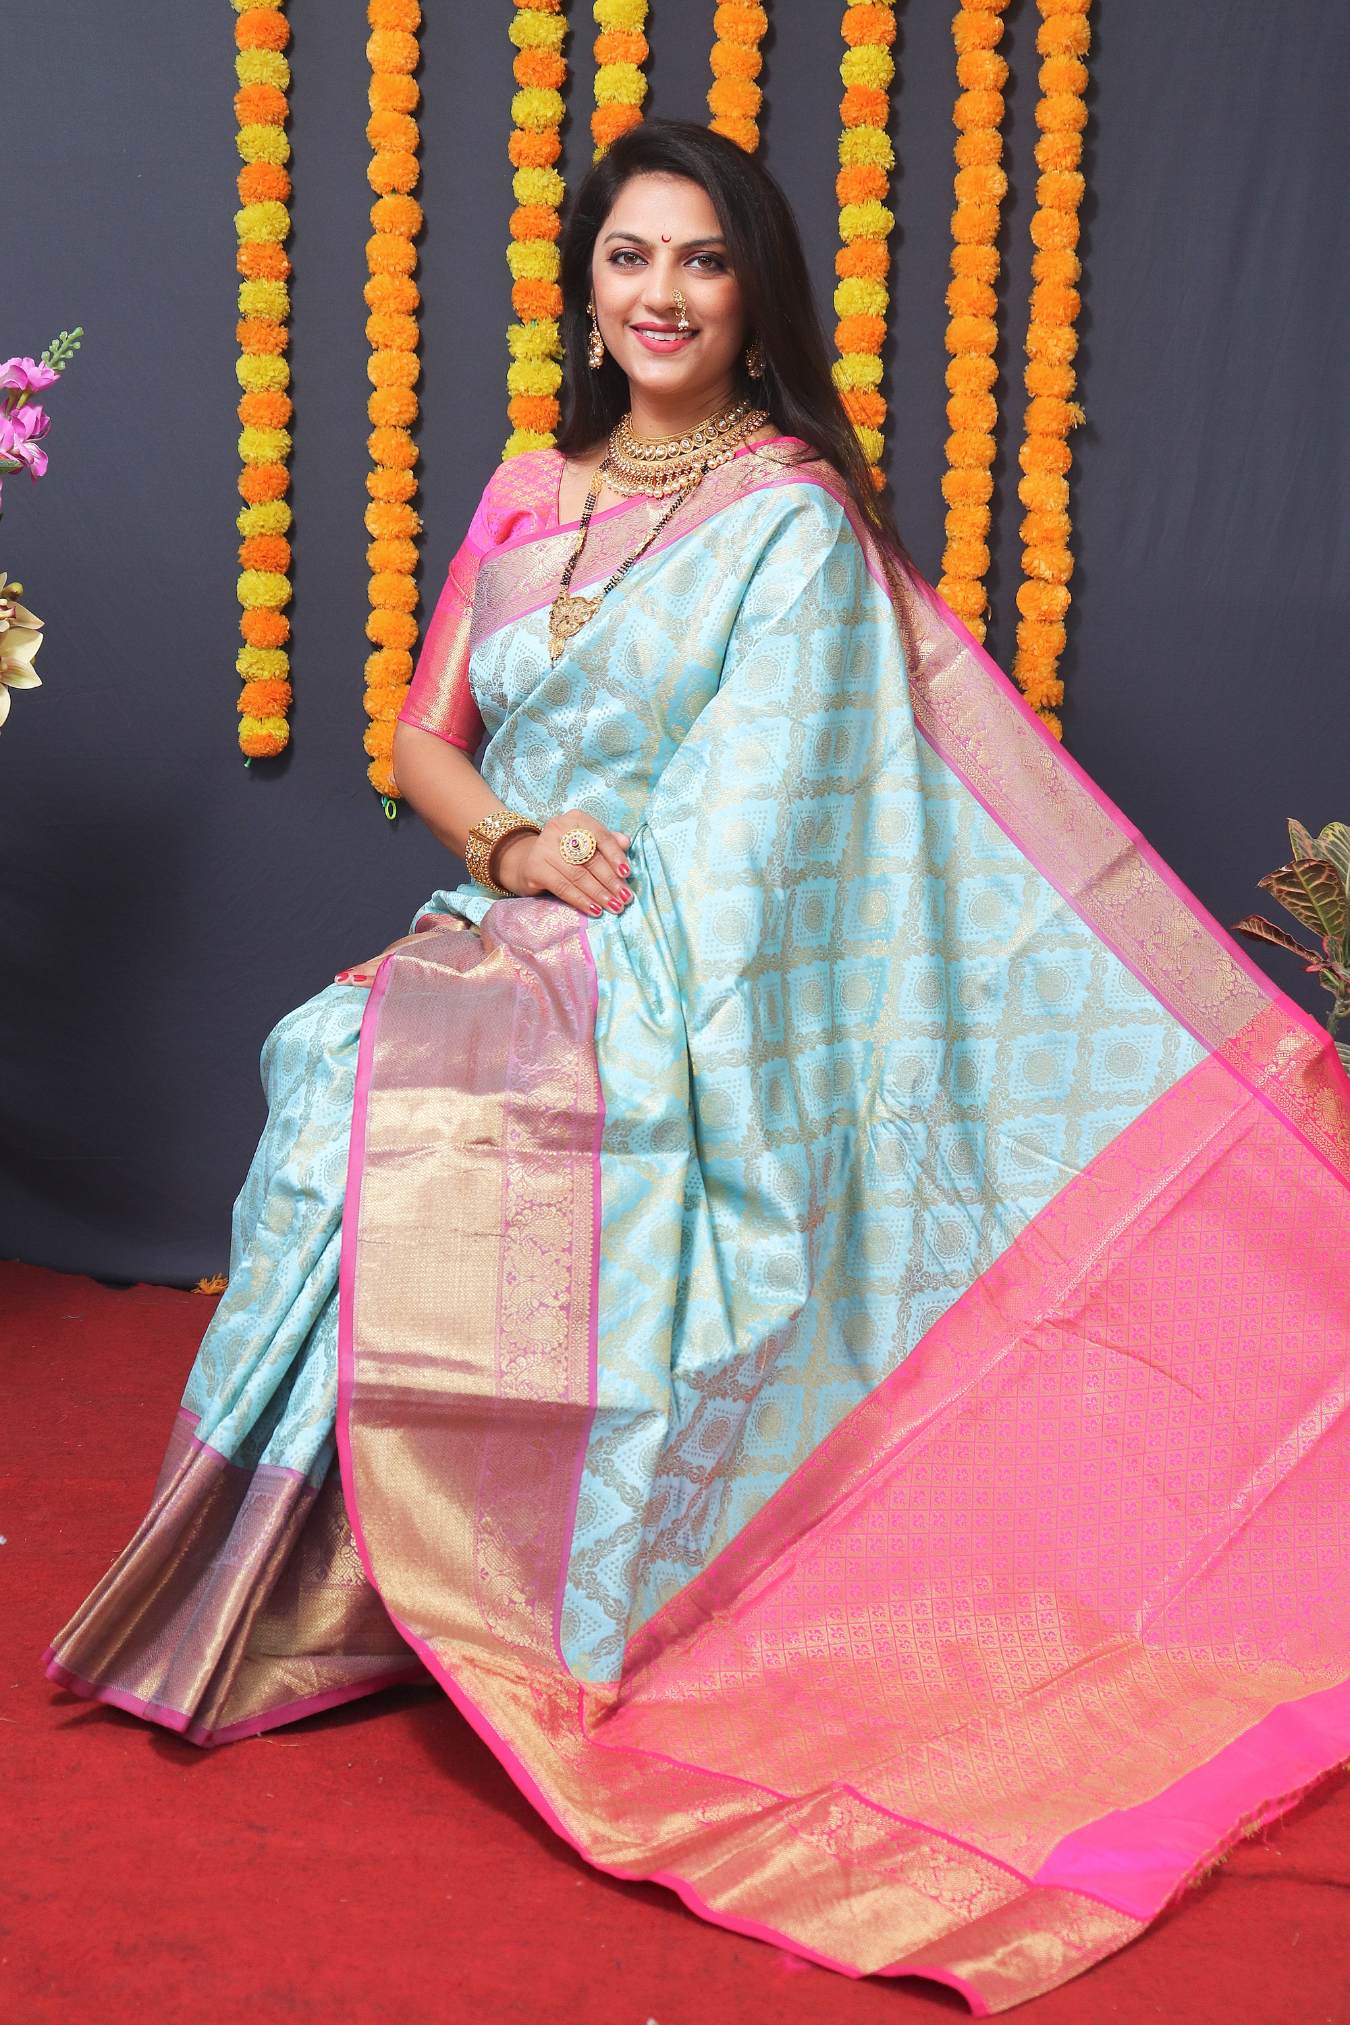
(199,1733)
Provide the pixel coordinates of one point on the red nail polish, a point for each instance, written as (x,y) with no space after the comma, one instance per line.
(623,871)
(595,909)
(626,894)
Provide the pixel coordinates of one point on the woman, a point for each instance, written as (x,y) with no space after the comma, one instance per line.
(788,1295)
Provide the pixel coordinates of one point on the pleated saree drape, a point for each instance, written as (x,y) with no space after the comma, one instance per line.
(830,1370)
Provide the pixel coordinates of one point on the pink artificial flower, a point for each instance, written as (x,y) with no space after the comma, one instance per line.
(30,376)
(19,433)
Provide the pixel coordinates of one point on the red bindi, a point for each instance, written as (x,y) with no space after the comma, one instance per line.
(665,238)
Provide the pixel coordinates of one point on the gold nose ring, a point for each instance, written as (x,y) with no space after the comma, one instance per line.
(683,323)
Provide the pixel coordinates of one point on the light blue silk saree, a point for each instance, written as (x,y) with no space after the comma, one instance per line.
(822,1366)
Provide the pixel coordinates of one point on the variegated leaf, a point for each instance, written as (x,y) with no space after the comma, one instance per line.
(1302,842)
(1259,929)
(1333,843)
(1313,891)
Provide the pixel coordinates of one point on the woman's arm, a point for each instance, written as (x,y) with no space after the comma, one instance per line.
(446,789)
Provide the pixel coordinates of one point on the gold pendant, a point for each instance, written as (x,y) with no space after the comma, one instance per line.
(567,615)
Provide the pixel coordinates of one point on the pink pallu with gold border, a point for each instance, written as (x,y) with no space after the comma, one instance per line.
(1050,1603)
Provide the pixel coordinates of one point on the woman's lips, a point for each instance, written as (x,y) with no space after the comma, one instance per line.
(654,341)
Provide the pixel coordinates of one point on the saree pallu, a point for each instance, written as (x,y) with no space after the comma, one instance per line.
(840,1370)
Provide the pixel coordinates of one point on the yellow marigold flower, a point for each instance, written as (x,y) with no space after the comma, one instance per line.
(869,66)
(263,144)
(858,145)
(263,66)
(857,369)
(521,440)
(538,186)
(865,221)
(262,221)
(535,108)
(256,372)
(269,516)
(265,298)
(860,298)
(263,587)
(534,376)
(534,260)
(529,30)
(620,84)
(261,664)
(872,441)
(622,14)
(264,446)
(539,340)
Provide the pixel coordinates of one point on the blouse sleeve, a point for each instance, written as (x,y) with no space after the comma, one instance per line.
(440,699)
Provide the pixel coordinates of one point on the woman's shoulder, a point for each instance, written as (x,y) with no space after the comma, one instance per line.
(520,497)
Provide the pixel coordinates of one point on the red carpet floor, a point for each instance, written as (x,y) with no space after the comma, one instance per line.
(377,1864)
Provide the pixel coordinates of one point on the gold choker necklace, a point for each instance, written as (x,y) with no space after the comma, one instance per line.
(658,465)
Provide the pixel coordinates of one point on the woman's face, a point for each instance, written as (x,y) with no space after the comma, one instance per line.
(662,234)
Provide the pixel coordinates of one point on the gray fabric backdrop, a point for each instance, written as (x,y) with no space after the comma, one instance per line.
(161,906)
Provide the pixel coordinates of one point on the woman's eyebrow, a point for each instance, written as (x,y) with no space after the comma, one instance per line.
(711,239)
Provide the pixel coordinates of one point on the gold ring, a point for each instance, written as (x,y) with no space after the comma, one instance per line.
(577,846)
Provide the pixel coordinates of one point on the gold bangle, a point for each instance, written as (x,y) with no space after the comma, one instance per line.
(483,840)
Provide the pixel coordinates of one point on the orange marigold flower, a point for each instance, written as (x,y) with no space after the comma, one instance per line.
(736,59)
(397,292)
(621,45)
(398,213)
(383,704)
(403,14)
(393,130)
(533,411)
(744,132)
(534,221)
(862,404)
(269,698)
(270,409)
(263,626)
(265,552)
(263,737)
(384,484)
(861,180)
(391,629)
(261,336)
(378,740)
(534,151)
(532,300)
(860,333)
(735,98)
(739,21)
(388,49)
(544,69)
(264,482)
(394,554)
(1044,640)
(393,406)
(388,332)
(864,105)
(260,105)
(389,93)
(609,121)
(262,260)
(868,24)
(263,183)
(867,259)
(261,28)
(388,666)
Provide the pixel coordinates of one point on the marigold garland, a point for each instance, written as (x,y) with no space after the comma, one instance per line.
(737,59)
(393,300)
(621,49)
(866,159)
(972,329)
(538,30)
(262,225)
(1043,597)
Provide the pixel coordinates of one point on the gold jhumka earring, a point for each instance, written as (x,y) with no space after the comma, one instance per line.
(755,361)
(595,344)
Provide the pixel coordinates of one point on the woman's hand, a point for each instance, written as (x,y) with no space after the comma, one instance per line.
(528,864)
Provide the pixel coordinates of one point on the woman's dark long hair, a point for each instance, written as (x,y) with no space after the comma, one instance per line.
(765,252)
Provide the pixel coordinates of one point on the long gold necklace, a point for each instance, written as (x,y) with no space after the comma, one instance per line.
(654,466)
